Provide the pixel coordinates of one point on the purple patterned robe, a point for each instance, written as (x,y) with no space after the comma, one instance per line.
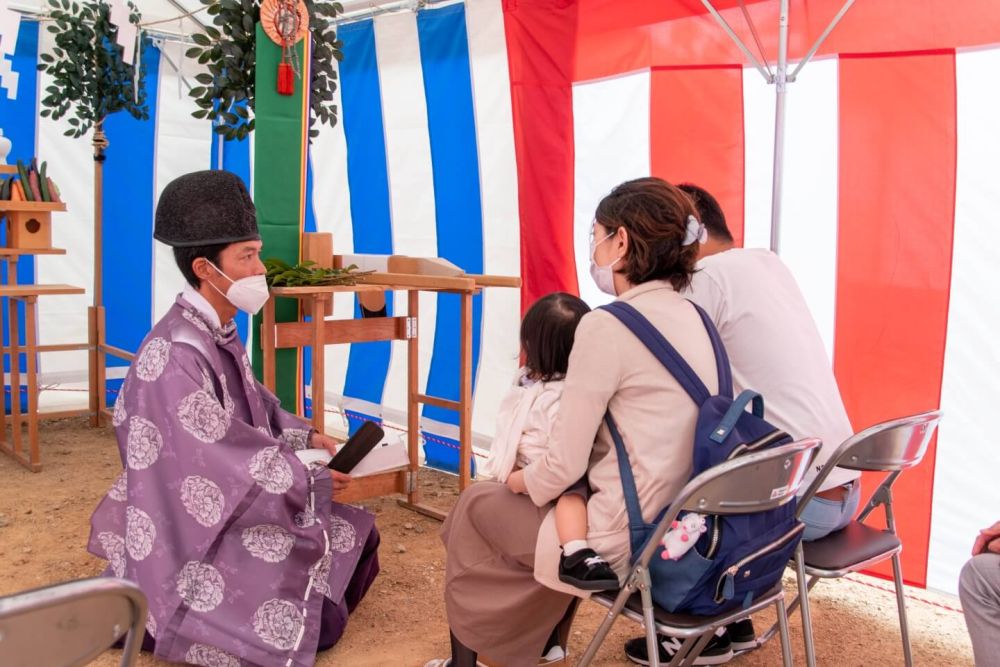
(234,541)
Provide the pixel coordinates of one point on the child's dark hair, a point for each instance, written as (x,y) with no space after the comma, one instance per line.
(547,333)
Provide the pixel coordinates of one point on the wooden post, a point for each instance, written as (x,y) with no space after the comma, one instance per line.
(31,342)
(317,247)
(98,385)
(413,391)
(267,344)
(465,396)
(319,362)
(100,145)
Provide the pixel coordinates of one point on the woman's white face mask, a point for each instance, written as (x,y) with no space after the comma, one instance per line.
(604,276)
(247,294)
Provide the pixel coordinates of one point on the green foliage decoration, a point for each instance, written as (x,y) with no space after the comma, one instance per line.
(307,274)
(89,75)
(227,91)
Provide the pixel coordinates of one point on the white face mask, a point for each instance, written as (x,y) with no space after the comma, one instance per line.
(604,276)
(248,294)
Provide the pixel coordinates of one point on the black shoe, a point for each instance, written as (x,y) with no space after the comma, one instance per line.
(742,635)
(585,569)
(718,651)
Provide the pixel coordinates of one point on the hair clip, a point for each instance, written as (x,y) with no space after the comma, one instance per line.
(695,231)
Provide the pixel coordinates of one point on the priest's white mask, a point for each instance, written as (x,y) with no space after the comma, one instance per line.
(248,294)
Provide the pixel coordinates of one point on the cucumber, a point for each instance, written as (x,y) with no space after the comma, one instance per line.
(43,184)
(25,183)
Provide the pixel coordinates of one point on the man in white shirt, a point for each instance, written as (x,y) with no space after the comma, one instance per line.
(775,349)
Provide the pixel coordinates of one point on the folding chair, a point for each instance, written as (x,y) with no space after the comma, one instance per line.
(751,483)
(891,447)
(71,623)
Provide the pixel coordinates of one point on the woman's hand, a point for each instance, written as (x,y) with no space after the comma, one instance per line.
(515,482)
(341,481)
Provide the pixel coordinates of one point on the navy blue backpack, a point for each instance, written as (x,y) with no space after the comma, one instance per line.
(741,556)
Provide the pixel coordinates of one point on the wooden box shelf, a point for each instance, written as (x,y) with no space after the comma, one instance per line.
(29,223)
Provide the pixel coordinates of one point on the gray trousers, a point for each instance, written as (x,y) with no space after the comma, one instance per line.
(979,588)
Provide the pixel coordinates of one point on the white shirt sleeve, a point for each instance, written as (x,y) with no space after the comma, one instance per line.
(706,291)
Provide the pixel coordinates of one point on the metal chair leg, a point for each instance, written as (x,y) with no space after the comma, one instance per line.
(605,628)
(786,646)
(904,630)
(803,599)
(652,650)
(689,653)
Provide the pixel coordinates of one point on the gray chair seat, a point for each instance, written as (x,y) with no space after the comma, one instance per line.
(663,617)
(844,549)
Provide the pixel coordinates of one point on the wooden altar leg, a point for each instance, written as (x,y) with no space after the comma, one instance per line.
(267,344)
(92,356)
(11,262)
(412,501)
(413,390)
(318,364)
(101,361)
(31,343)
(15,378)
(465,396)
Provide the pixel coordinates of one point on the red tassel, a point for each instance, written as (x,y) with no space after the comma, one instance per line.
(286,79)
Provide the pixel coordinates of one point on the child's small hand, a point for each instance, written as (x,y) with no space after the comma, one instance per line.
(515,482)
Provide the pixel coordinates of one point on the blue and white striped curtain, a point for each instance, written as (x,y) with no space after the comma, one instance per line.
(421,163)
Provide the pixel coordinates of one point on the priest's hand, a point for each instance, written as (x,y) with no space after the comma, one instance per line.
(322,441)
(341,481)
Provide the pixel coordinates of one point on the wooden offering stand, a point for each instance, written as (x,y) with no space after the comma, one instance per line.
(404,274)
(29,232)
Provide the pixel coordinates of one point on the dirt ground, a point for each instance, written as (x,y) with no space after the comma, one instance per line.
(44,523)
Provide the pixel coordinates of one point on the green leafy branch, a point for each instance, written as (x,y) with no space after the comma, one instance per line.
(307,274)
(89,74)
(226,93)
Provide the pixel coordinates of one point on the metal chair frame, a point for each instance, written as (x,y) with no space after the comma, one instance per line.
(61,600)
(752,483)
(892,447)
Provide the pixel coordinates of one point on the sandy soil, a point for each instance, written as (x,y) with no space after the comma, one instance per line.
(44,522)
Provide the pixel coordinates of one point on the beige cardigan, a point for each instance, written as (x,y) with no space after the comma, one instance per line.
(610,367)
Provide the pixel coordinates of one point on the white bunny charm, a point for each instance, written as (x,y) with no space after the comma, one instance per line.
(682,535)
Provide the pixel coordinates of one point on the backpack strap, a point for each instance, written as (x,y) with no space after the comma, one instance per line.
(667,355)
(661,349)
(636,526)
(722,366)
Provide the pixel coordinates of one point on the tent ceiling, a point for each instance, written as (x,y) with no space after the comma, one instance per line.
(159,10)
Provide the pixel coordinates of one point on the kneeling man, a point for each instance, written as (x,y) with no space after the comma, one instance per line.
(240,548)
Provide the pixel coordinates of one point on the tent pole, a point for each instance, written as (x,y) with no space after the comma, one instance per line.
(821,39)
(736,40)
(780,80)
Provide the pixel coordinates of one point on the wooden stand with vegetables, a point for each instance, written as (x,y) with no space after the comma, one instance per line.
(28,197)
(315,283)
